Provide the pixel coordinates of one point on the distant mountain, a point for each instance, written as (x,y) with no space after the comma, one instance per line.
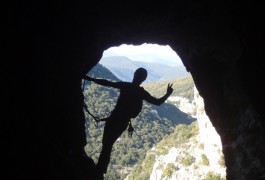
(123,68)
(99,71)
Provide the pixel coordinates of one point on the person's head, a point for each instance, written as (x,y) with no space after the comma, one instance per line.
(139,76)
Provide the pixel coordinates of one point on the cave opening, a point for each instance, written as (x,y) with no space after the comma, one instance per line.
(118,64)
(225,41)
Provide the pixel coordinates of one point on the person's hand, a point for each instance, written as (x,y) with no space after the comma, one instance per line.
(169,88)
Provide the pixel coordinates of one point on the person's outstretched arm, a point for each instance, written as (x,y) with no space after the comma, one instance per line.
(103,82)
(159,101)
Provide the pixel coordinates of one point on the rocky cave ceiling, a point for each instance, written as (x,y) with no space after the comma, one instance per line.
(220,43)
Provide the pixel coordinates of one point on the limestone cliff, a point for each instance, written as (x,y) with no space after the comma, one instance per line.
(199,157)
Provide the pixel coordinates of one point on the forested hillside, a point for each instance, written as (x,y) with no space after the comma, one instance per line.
(183,87)
(151,125)
(192,151)
(181,155)
(182,133)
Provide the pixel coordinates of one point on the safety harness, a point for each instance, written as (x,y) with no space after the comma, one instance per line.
(97,119)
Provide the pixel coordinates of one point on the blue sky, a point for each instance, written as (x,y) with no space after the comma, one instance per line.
(146,52)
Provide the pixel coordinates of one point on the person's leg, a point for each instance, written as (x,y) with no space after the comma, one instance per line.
(104,158)
(112,132)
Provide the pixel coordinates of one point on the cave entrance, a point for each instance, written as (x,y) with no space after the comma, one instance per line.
(158,130)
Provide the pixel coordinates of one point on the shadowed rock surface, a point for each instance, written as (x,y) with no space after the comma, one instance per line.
(50,46)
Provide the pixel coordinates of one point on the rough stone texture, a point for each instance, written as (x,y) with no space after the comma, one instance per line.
(210,139)
(206,142)
(50,45)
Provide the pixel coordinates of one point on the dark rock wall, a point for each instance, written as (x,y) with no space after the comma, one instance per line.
(56,43)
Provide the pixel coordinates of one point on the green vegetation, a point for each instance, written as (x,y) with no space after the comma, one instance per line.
(212,176)
(181,134)
(142,172)
(187,160)
(151,126)
(201,146)
(221,161)
(205,160)
(168,171)
(183,87)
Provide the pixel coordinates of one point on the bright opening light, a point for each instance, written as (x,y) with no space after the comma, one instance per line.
(146,53)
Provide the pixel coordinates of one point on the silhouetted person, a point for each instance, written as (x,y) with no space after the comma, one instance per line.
(129,105)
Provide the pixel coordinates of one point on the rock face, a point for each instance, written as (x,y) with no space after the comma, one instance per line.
(209,137)
(183,104)
(54,44)
(206,143)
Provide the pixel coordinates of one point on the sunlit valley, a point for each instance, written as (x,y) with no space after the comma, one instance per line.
(173,141)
